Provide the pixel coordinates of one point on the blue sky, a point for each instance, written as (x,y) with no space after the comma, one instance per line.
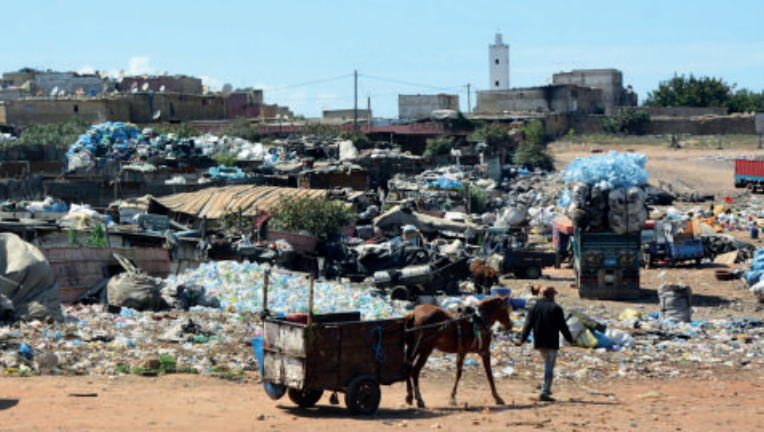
(303,53)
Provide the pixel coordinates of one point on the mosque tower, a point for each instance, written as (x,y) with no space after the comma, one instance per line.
(498,57)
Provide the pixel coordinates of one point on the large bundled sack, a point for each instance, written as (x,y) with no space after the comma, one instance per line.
(627,223)
(28,281)
(135,290)
(630,200)
(675,302)
(514,216)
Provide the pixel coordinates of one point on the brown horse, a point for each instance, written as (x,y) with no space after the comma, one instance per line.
(430,327)
(483,276)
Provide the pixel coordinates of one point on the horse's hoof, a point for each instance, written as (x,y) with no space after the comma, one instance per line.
(499,401)
(409,400)
(420,404)
(452,402)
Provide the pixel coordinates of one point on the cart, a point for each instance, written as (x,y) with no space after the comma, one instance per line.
(333,352)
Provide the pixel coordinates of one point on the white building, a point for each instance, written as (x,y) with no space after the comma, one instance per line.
(498,58)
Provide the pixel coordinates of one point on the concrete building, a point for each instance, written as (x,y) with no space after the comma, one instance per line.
(244,104)
(610,81)
(19,114)
(498,64)
(347,114)
(166,84)
(546,99)
(417,107)
(44,82)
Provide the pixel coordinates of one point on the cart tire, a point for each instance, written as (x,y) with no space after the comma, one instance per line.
(363,395)
(399,293)
(532,272)
(305,398)
(452,288)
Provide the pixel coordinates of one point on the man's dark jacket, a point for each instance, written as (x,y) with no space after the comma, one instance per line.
(547,321)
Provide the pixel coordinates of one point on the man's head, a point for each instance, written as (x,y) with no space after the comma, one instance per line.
(549,292)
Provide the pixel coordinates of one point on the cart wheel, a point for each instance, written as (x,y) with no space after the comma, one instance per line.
(363,395)
(399,293)
(305,398)
(532,272)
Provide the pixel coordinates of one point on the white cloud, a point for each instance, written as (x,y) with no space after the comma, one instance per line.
(139,66)
(86,70)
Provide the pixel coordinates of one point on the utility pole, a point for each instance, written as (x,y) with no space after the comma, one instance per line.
(355,100)
(759,142)
(368,108)
(469,104)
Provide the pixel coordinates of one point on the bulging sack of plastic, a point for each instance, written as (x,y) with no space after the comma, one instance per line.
(586,339)
(628,223)
(627,200)
(598,198)
(579,216)
(575,327)
(581,193)
(610,170)
(597,219)
(675,302)
(620,338)
(517,215)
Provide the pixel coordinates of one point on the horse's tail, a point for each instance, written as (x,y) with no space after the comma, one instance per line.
(409,341)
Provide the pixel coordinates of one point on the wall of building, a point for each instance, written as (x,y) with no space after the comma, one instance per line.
(70,82)
(22,113)
(736,124)
(171,84)
(415,107)
(674,111)
(562,98)
(609,80)
(244,104)
(174,107)
(347,114)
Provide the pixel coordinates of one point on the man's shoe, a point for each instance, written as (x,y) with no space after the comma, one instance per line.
(546,397)
(539,387)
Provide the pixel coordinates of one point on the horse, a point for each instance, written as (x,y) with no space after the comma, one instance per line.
(483,276)
(430,327)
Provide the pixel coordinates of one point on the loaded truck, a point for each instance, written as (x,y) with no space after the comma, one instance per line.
(749,174)
(607,264)
(517,255)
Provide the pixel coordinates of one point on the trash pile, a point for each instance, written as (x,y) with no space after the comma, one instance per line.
(608,193)
(125,142)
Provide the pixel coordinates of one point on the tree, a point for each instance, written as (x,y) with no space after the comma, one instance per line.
(691,92)
(531,153)
(320,130)
(241,128)
(440,145)
(359,138)
(318,216)
(626,121)
(63,133)
(745,100)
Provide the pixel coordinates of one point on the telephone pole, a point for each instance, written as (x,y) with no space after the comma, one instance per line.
(469,104)
(355,99)
(368,108)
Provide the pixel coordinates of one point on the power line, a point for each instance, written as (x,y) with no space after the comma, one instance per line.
(407,82)
(321,81)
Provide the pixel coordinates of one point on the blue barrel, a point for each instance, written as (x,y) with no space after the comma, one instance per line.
(517,303)
(754,232)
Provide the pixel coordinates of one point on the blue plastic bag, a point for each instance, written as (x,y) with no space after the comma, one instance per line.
(274,391)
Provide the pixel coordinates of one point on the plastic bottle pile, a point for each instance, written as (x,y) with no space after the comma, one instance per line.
(239,286)
(754,277)
(612,170)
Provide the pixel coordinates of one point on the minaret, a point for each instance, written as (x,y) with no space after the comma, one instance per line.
(498,58)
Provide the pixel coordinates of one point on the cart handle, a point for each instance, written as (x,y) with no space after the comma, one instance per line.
(269,270)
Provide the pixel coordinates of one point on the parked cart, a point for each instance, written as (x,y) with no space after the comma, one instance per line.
(334,352)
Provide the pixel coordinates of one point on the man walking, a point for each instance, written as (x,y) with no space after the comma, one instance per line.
(547,320)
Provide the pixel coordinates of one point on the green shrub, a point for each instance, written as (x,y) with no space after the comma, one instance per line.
(241,128)
(226,159)
(318,216)
(181,130)
(626,121)
(62,133)
(440,145)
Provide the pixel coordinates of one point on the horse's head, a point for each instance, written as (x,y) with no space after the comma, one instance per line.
(496,309)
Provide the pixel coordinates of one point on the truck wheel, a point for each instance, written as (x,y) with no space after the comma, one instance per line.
(532,272)
(698,262)
(363,395)
(305,398)
(399,293)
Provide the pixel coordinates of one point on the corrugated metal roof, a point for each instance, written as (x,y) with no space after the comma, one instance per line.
(213,203)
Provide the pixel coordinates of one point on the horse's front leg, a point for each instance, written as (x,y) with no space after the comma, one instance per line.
(459,367)
(489,373)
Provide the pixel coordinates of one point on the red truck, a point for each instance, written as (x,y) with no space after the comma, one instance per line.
(749,174)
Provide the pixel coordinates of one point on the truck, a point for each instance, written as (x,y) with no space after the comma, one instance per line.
(661,243)
(606,264)
(518,257)
(749,174)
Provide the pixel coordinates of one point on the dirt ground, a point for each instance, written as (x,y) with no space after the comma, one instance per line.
(194,403)
(730,398)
